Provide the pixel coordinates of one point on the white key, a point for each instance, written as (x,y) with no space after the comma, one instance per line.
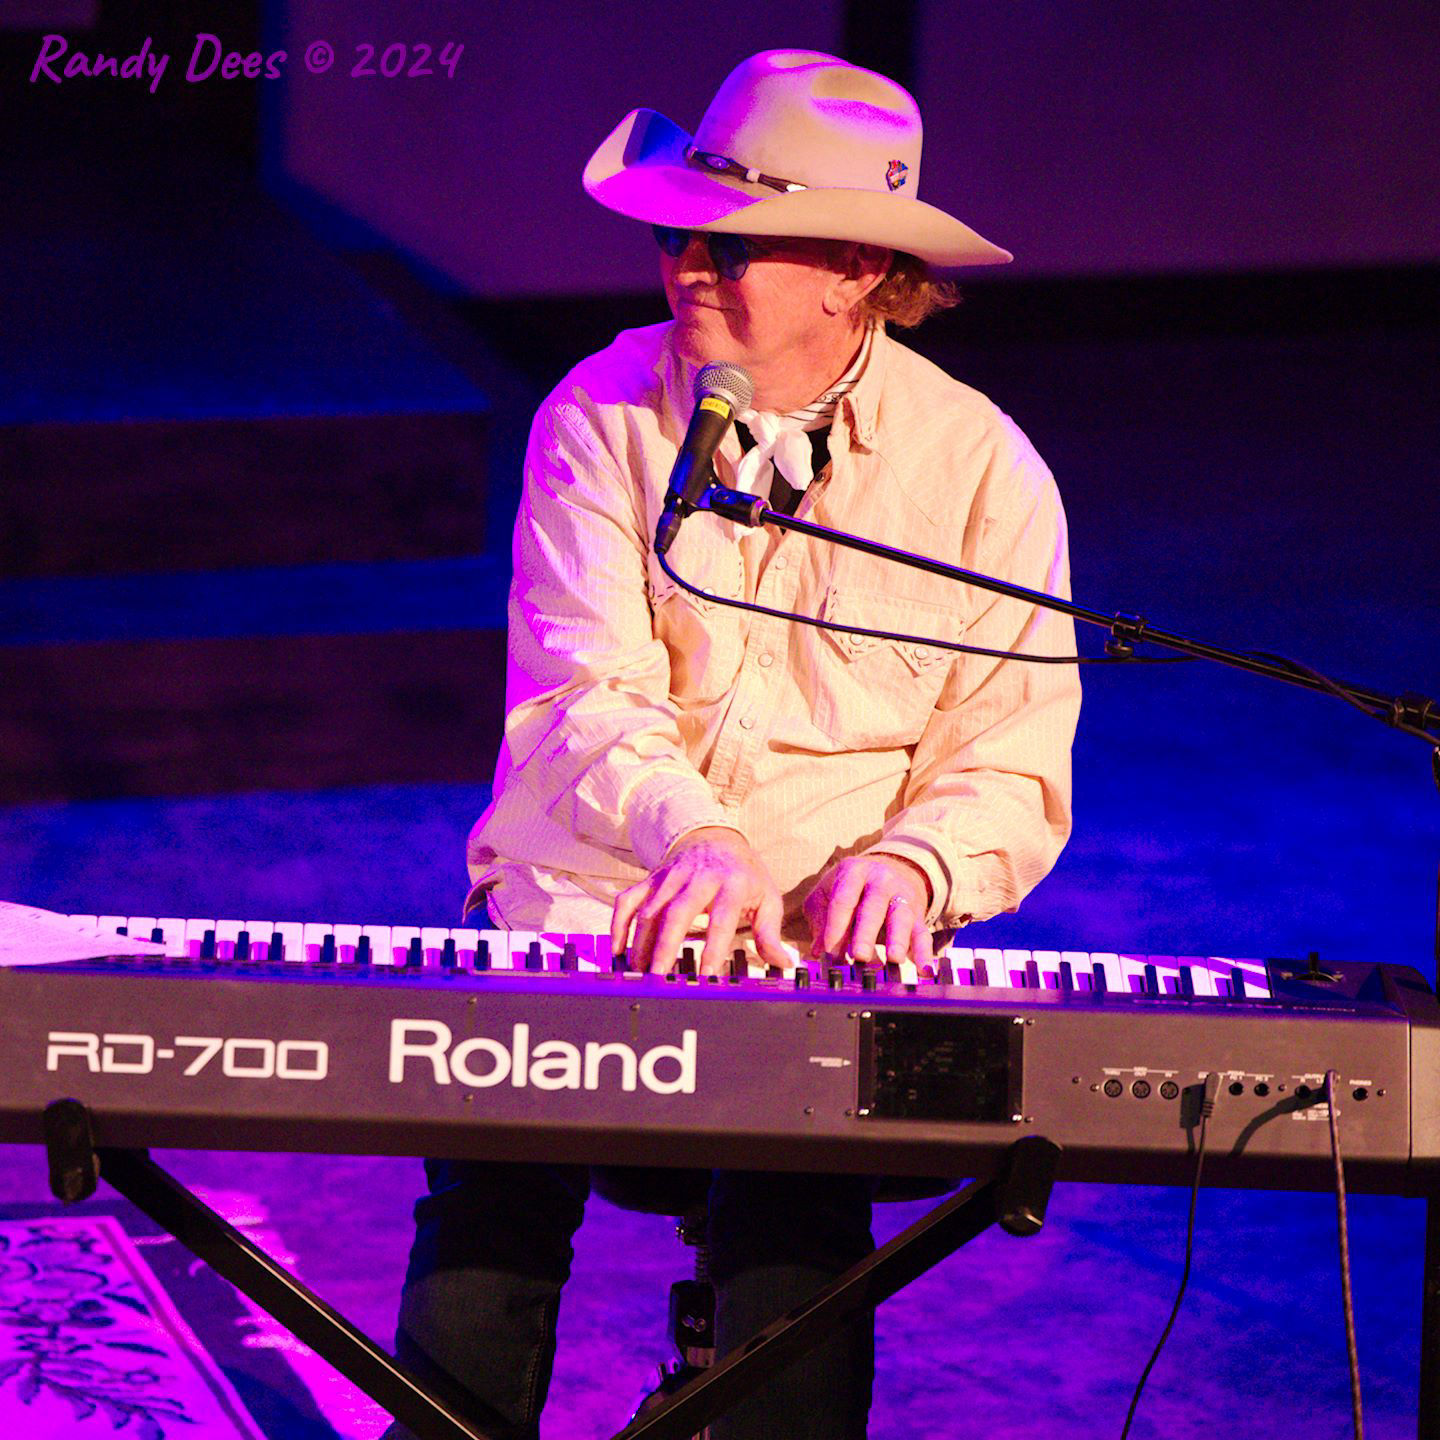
(141,926)
(379,938)
(466,943)
(1079,962)
(499,943)
(962,962)
(1108,963)
(293,933)
(227,932)
(174,928)
(400,938)
(111,923)
(1015,963)
(195,935)
(312,937)
(1048,962)
(1202,978)
(994,961)
(347,937)
(1132,973)
(518,943)
(261,932)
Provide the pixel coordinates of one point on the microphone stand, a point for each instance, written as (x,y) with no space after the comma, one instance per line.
(1411,714)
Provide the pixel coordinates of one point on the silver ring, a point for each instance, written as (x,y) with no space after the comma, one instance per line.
(897,900)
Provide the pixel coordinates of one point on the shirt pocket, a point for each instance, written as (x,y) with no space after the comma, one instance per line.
(704,639)
(870,694)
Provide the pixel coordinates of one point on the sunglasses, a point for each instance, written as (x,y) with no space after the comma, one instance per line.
(729,254)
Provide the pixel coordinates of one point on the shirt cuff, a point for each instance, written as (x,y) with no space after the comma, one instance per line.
(951,905)
(661,814)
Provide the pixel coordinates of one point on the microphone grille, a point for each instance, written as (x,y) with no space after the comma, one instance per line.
(730,381)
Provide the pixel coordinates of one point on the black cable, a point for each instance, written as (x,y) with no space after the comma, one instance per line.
(1207,1108)
(1343,692)
(919,639)
(1347,1299)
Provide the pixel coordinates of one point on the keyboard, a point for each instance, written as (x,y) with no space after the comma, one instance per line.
(508,1045)
(439,947)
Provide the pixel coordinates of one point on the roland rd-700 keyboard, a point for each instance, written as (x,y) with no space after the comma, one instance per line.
(412,1040)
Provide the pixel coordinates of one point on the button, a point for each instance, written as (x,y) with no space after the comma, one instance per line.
(766,661)
(747,722)
(780,562)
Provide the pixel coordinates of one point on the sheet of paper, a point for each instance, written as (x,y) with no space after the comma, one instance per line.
(30,936)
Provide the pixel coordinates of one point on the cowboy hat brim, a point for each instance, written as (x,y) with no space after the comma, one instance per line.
(640,171)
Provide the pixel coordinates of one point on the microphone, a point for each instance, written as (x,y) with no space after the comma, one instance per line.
(720,391)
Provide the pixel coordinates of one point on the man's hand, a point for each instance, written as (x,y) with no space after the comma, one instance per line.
(713,870)
(868,898)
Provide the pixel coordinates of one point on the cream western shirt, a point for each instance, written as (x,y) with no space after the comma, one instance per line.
(637,713)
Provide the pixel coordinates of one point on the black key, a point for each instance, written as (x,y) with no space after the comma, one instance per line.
(1152,981)
(277,946)
(1067,976)
(1237,983)
(534,958)
(868,979)
(739,967)
(482,956)
(449,954)
(1097,975)
(892,971)
(328,954)
(982,975)
(157,935)
(569,957)
(1032,976)
(364,954)
(1187,981)
(802,977)
(687,964)
(414,954)
(835,977)
(775,972)
(242,945)
(125,930)
(207,945)
(619,964)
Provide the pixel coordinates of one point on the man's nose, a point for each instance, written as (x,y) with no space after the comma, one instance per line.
(693,265)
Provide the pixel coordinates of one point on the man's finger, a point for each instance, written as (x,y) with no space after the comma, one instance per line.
(922,944)
(726,911)
(766,929)
(900,930)
(869,919)
(844,894)
(627,902)
(674,921)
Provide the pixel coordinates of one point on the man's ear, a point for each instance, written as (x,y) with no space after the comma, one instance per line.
(860,269)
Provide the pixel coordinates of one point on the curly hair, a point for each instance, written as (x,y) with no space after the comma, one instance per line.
(908,294)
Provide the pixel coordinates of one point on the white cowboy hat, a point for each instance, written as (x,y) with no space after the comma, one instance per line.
(795,142)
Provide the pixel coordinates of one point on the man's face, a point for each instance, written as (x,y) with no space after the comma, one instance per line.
(776,308)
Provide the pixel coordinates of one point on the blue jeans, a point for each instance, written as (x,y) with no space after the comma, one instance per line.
(493,1249)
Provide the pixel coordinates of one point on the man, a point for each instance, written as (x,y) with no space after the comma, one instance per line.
(670,761)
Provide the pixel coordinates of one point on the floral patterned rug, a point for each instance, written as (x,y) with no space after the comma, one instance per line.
(108,1327)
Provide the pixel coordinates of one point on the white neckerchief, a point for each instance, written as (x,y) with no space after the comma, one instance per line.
(784,439)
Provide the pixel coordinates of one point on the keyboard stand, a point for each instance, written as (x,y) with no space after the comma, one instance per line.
(75,1164)
(1015,1199)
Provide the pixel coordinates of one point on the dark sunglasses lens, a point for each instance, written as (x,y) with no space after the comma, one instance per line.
(730,256)
(671,241)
